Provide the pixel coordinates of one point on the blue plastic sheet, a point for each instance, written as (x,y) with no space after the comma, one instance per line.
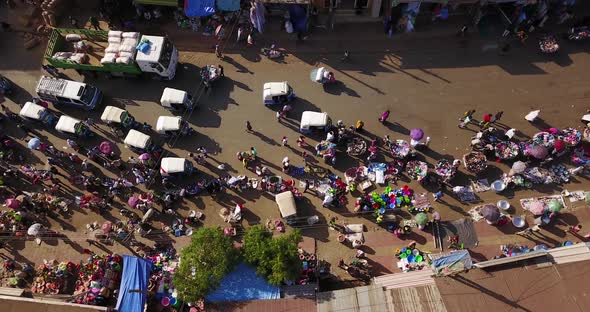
(194,8)
(228,5)
(134,283)
(243,284)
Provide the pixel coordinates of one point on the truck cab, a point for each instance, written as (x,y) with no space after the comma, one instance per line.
(159,58)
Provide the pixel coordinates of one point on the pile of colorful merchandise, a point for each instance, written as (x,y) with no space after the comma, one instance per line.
(54,278)
(98,278)
(389,199)
(410,259)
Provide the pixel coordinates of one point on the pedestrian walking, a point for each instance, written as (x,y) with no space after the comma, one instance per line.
(306,186)
(248,126)
(384,116)
(94,22)
(253,152)
(5,109)
(359,125)
(279,115)
(203,150)
(301,141)
(90,122)
(485,123)
(438,195)
(304,154)
(85,164)
(218,51)
(221,73)
(345,57)
(284,141)
(463,124)
(146,127)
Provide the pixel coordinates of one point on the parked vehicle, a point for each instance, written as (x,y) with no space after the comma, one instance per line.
(173,126)
(142,143)
(277,93)
(174,166)
(311,121)
(118,119)
(72,126)
(67,92)
(287,207)
(158,59)
(32,111)
(176,100)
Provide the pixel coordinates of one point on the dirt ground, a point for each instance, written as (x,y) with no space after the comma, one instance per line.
(427,80)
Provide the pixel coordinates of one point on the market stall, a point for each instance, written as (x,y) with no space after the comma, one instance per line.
(506,150)
(475,162)
(400,149)
(445,169)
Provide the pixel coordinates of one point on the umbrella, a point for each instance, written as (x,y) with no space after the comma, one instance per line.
(147,215)
(587,198)
(34,229)
(531,116)
(34,143)
(490,213)
(518,167)
(416,134)
(144,156)
(555,206)
(421,218)
(12,203)
(132,201)
(105,147)
(537,208)
(538,151)
(559,145)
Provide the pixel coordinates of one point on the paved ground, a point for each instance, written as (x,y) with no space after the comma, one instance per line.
(427,80)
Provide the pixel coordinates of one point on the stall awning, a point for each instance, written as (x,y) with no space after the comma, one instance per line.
(134,283)
(172,3)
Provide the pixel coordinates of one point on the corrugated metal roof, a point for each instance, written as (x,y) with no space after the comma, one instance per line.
(415,299)
(518,288)
(360,299)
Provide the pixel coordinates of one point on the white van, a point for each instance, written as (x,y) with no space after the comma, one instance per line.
(67,92)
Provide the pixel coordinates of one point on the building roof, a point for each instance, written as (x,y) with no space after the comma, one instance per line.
(277,305)
(19,304)
(522,286)
(365,298)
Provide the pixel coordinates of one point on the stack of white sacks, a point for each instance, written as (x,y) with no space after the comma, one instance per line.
(121,48)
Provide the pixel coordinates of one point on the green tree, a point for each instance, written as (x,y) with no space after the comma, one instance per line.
(275,258)
(203,263)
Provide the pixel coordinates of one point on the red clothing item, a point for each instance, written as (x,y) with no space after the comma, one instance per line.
(487,118)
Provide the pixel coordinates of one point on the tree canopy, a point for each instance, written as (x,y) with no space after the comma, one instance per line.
(203,263)
(275,258)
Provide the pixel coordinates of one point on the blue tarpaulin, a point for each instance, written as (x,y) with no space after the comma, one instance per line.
(243,284)
(228,5)
(298,17)
(134,283)
(194,8)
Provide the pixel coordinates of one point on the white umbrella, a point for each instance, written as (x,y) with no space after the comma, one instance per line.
(518,167)
(531,116)
(34,229)
(147,215)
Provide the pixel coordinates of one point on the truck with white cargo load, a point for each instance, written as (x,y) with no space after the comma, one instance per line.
(113,53)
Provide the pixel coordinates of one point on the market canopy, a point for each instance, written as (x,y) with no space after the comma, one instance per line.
(134,283)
